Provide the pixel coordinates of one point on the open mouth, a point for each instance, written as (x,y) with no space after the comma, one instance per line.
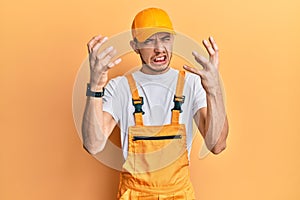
(160,60)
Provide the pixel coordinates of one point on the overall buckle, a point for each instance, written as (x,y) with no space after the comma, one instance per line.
(137,103)
(178,101)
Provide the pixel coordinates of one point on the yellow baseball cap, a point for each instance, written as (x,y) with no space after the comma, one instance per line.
(150,21)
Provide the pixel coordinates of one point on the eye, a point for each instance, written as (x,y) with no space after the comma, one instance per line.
(167,38)
(148,41)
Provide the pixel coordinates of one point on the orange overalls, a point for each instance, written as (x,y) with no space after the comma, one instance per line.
(157,163)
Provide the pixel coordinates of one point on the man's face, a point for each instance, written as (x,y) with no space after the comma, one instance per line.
(156,51)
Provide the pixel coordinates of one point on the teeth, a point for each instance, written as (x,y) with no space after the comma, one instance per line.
(160,58)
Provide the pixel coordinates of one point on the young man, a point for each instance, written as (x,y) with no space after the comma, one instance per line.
(154,107)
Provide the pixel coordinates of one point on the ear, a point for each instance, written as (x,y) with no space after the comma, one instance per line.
(133,45)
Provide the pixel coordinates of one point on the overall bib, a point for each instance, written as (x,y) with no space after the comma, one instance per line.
(157,163)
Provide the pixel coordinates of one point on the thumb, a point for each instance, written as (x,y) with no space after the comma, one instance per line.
(193,70)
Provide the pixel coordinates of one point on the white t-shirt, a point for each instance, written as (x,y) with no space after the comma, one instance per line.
(158,92)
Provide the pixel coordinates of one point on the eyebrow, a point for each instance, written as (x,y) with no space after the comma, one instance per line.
(149,39)
(164,37)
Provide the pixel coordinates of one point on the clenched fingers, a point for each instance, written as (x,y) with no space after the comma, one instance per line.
(209,48)
(216,50)
(106,56)
(93,40)
(109,51)
(212,50)
(193,70)
(214,44)
(114,63)
(201,60)
(95,43)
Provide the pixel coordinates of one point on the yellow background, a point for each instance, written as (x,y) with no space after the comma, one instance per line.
(43,43)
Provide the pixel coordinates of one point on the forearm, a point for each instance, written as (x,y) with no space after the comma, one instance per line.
(216,125)
(213,123)
(96,124)
(93,134)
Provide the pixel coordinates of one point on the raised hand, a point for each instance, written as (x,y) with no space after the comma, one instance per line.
(209,74)
(100,62)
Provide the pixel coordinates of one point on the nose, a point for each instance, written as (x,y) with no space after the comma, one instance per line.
(158,46)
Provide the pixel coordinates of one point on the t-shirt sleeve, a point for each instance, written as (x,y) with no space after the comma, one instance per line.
(111,102)
(199,95)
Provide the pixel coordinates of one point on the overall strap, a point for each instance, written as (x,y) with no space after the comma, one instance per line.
(178,98)
(137,101)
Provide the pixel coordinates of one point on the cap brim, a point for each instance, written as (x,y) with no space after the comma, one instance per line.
(142,34)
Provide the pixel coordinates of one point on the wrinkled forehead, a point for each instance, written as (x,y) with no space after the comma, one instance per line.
(160,35)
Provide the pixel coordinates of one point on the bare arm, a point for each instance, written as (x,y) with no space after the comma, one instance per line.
(206,121)
(211,121)
(97,125)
